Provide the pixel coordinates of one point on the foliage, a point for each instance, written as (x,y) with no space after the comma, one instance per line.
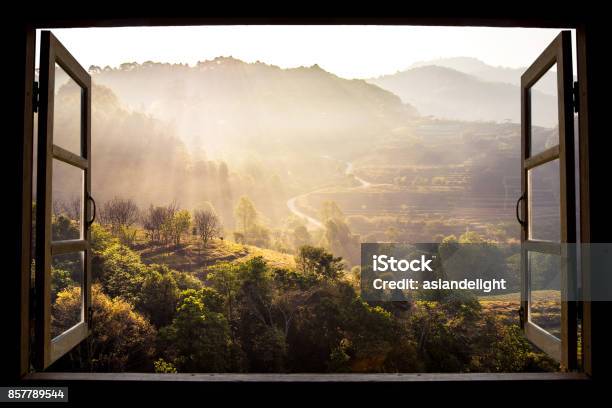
(64,228)
(162,366)
(180,225)
(317,261)
(61,279)
(158,297)
(251,316)
(153,220)
(198,340)
(120,272)
(301,236)
(246,215)
(121,338)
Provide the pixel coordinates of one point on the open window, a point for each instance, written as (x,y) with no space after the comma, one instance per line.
(64,255)
(548,208)
(64,171)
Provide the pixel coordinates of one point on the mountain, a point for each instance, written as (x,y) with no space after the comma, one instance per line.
(490,73)
(221,104)
(221,130)
(448,93)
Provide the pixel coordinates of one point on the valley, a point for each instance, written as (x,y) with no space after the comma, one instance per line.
(234,198)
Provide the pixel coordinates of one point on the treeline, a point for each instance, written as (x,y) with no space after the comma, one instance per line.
(167,225)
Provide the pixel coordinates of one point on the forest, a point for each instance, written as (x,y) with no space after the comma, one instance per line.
(260,312)
(231,214)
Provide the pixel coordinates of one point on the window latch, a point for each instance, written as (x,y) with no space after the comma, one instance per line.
(518,203)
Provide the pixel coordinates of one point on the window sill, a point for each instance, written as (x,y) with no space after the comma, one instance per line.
(412,377)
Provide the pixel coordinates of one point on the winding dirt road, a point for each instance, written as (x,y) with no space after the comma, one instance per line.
(313,223)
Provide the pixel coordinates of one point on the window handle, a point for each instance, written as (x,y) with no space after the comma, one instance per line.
(93,218)
(518,217)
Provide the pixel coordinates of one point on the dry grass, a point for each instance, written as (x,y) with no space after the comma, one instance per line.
(192,256)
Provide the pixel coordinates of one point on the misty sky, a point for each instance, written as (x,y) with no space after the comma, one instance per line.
(347,51)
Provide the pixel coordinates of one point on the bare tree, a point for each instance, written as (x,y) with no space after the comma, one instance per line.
(207,224)
(157,221)
(168,231)
(57,207)
(70,208)
(152,221)
(119,213)
(73,208)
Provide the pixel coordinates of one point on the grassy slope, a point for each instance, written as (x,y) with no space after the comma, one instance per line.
(190,256)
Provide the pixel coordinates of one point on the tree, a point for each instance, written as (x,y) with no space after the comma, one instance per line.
(119,213)
(301,236)
(207,224)
(121,338)
(153,220)
(263,341)
(224,183)
(70,208)
(259,236)
(314,260)
(61,279)
(159,297)
(62,228)
(246,215)
(180,225)
(164,367)
(198,340)
(224,277)
(331,211)
(167,227)
(341,241)
(176,222)
(120,271)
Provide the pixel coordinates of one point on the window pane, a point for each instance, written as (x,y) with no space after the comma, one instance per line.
(544,202)
(67,112)
(67,201)
(66,292)
(545,292)
(544,112)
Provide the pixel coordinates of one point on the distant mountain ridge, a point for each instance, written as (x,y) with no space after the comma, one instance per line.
(463,89)
(228,101)
(477,68)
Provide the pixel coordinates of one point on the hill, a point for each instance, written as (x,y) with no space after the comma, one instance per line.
(190,256)
(221,104)
(449,93)
(223,129)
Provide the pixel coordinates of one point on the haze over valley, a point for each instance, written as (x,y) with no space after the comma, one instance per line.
(224,129)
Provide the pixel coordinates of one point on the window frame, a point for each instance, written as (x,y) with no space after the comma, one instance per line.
(48,350)
(27,51)
(558,53)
